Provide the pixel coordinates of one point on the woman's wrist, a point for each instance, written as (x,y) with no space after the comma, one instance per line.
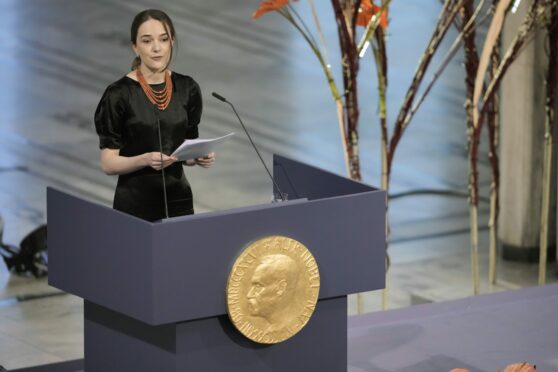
(145,159)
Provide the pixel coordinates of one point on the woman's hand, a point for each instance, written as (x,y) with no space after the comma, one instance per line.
(206,161)
(153,160)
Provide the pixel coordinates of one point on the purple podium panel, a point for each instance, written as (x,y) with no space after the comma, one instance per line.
(169,274)
(212,344)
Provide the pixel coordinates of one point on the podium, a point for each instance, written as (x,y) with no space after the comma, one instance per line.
(154,293)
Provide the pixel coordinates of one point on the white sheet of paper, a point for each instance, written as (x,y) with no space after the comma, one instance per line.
(197,148)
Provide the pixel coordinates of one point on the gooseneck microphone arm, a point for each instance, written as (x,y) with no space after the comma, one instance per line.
(161,153)
(223,99)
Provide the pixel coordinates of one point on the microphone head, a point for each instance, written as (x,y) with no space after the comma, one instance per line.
(219,97)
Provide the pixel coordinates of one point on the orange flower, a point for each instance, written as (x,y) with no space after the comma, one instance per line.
(459,370)
(269,6)
(521,367)
(367,10)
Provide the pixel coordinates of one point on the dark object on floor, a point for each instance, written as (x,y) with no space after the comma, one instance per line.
(31,258)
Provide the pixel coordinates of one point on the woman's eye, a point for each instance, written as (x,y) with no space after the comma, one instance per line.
(146,41)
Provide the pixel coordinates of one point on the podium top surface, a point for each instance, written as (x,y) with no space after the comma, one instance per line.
(177,270)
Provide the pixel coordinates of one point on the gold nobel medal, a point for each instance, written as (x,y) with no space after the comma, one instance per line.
(272,289)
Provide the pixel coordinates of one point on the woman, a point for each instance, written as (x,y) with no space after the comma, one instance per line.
(148,102)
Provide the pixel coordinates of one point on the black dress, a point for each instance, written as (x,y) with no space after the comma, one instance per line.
(125,119)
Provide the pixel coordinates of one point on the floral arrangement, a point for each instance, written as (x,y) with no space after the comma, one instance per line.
(484,74)
(348,14)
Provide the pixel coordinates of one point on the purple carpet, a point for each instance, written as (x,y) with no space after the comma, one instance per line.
(480,333)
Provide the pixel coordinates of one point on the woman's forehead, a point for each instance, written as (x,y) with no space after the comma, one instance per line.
(152,27)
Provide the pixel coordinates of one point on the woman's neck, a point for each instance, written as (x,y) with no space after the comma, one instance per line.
(152,77)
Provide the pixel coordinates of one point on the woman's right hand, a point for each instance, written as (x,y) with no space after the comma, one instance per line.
(153,160)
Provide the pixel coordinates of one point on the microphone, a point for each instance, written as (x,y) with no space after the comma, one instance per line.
(223,99)
(219,97)
(161,152)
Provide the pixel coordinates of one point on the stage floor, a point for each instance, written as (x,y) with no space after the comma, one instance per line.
(483,333)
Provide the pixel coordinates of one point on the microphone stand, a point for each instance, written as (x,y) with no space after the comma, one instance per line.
(161,153)
(223,99)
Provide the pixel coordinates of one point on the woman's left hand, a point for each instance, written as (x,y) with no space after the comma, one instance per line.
(206,161)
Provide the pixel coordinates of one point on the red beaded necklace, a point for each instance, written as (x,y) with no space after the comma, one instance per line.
(160,98)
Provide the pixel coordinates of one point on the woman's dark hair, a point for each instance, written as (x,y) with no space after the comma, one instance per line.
(144,16)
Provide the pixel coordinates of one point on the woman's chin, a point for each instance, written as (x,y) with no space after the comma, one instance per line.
(156,67)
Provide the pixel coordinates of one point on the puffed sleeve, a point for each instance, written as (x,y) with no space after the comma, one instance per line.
(109,117)
(194,108)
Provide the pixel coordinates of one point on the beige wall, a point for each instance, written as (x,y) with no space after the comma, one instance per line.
(521,149)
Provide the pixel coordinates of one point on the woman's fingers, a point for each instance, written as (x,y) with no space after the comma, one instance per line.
(206,161)
(159,161)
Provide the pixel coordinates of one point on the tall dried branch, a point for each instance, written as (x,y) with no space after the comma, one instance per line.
(470,26)
(551,81)
(380,57)
(447,15)
(511,54)
(493,128)
(350,65)
(473,138)
(552,72)
(491,38)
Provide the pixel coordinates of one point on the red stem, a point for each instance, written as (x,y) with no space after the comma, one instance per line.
(350,70)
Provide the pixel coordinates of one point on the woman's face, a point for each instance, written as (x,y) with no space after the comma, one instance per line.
(153,45)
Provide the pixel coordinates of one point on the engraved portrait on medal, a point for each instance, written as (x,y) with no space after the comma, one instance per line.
(273,289)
